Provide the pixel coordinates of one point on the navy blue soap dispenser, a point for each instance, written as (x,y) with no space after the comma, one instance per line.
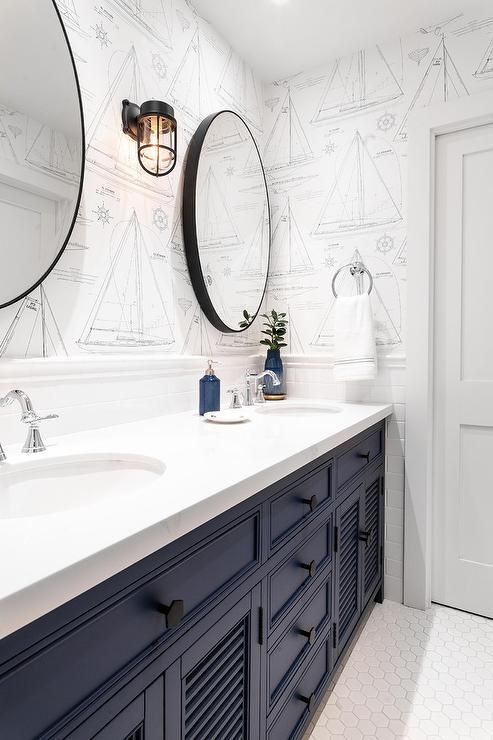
(209,391)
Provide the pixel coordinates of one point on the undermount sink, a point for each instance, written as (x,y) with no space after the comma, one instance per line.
(54,485)
(292,408)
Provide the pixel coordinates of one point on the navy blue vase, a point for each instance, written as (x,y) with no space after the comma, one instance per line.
(273,362)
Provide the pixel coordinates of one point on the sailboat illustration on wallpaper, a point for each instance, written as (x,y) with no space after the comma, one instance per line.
(34,331)
(218,140)
(237,340)
(150,16)
(295,345)
(287,144)
(257,256)
(359,197)
(385,303)
(441,82)
(401,256)
(216,229)
(129,311)
(197,339)
(177,251)
(366,82)
(485,69)
(189,89)
(69,15)
(289,253)
(238,87)
(52,152)
(113,154)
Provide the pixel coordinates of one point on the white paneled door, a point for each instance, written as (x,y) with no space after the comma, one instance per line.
(462,571)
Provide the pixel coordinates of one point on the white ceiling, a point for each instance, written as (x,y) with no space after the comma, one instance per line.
(280,38)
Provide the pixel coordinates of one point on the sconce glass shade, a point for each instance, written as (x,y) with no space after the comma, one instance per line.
(153,126)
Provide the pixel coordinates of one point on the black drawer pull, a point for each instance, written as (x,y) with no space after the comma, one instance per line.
(312,502)
(311,635)
(310,567)
(364,536)
(308,700)
(365,454)
(174,613)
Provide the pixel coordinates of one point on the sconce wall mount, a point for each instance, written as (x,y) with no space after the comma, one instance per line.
(153,126)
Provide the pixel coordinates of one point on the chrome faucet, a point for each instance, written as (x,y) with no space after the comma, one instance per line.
(34,441)
(253,394)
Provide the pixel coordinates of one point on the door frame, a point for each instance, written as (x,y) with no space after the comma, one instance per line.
(424,128)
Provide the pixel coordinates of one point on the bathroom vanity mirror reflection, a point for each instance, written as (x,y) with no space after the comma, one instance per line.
(226,220)
(41,144)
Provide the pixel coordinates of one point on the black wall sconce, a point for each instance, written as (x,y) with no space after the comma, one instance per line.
(153,127)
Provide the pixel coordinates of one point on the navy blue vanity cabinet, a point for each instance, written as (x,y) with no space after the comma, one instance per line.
(232,632)
(213,689)
(372,535)
(359,550)
(127,717)
(348,570)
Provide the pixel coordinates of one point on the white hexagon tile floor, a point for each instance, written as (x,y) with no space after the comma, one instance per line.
(415,675)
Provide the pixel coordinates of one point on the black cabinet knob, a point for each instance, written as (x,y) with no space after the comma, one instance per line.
(364,535)
(365,454)
(311,635)
(174,612)
(310,567)
(308,700)
(312,502)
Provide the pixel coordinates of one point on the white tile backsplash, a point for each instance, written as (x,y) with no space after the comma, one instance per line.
(114,391)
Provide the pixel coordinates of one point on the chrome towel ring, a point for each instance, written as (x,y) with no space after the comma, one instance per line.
(356,269)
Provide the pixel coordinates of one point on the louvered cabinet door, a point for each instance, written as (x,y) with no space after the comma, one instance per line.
(125,718)
(372,534)
(213,691)
(348,566)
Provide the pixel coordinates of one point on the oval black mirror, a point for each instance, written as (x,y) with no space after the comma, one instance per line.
(226,220)
(41,144)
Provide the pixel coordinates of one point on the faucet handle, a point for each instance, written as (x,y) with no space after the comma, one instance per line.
(236,399)
(33,417)
(260,398)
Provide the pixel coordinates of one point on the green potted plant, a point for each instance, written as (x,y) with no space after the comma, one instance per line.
(275,329)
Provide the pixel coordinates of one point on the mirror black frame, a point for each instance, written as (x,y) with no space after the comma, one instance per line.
(82,169)
(190,223)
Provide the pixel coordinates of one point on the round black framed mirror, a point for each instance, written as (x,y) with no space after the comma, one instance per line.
(226,220)
(41,144)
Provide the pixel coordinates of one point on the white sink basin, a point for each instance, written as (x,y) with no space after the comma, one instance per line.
(297,410)
(47,486)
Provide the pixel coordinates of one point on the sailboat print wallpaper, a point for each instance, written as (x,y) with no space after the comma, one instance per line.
(335,151)
(122,285)
(334,144)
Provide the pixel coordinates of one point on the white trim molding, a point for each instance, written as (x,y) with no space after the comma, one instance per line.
(91,367)
(424,128)
(326,360)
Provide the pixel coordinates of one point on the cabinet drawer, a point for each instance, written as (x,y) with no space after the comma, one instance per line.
(358,457)
(298,641)
(304,698)
(298,570)
(298,504)
(80,662)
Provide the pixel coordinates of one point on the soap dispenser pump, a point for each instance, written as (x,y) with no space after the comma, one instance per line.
(209,391)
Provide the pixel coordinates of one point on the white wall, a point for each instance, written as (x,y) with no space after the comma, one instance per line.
(335,147)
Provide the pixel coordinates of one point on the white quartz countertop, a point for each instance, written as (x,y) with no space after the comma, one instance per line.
(47,560)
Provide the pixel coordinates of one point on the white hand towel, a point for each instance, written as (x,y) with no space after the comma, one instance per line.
(355,348)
